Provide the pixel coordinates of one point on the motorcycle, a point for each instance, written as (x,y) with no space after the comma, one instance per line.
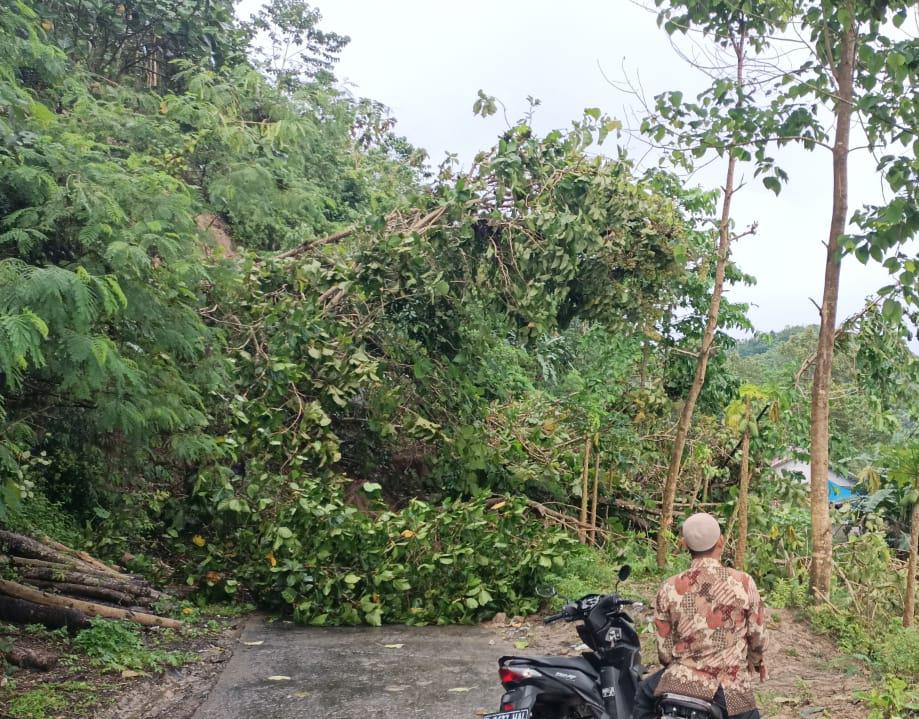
(599,684)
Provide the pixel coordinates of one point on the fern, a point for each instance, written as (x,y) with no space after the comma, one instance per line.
(25,239)
(21,336)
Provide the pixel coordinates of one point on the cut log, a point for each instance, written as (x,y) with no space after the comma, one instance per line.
(27,547)
(83,557)
(124,586)
(57,566)
(31,658)
(21,611)
(81,590)
(20,591)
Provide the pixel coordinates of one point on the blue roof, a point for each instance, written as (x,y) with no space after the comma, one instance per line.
(838,493)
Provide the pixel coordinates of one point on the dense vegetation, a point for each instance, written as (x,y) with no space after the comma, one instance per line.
(247,330)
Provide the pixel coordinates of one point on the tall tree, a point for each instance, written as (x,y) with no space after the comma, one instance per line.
(848,66)
(841,61)
(847,42)
(720,113)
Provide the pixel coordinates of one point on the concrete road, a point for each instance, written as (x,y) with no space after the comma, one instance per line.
(282,671)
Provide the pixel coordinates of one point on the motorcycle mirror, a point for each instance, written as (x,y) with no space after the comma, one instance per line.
(624,571)
(546,591)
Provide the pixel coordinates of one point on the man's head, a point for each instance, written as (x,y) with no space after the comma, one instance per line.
(702,536)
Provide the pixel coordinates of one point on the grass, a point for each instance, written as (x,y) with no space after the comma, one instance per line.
(117,647)
(48,700)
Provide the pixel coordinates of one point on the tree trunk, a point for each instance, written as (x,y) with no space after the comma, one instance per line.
(585,487)
(21,611)
(708,339)
(742,500)
(821,529)
(20,591)
(909,606)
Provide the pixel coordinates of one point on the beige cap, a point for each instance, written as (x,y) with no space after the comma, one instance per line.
(701,532)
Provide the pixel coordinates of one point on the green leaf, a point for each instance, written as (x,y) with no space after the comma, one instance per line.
(891,310)
(772,183)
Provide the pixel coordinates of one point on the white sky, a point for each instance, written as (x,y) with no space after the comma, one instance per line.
(427,59)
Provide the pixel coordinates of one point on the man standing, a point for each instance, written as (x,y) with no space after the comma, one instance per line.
(711,632)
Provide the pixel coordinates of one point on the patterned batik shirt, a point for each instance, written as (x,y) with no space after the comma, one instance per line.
(711,632)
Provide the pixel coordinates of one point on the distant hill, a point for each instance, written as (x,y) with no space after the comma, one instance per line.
(763,342)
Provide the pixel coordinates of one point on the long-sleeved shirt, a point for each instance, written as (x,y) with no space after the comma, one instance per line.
(711,632)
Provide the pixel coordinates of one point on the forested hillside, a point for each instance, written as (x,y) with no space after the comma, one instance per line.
(254,342)
(241,331)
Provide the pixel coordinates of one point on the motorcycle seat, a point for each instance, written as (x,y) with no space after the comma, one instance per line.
(578,663)
(684,707)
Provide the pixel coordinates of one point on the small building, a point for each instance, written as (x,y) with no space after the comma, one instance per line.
(840,488)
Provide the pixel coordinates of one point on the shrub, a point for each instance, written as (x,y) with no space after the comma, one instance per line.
(585,571)
(894,699)
(787,593)
(897,652)
(39,516)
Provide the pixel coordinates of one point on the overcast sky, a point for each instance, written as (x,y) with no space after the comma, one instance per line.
(426,60)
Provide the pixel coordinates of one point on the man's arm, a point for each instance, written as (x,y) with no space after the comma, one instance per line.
(664,626)
(757,639)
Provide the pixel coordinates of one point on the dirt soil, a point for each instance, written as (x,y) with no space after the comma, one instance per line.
(74,688)
(809,677)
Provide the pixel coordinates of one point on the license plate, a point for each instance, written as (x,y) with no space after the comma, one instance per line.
(516,714)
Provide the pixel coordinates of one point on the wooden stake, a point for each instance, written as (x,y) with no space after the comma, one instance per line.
(585,476)
(909,608)
(742,501)
(593,511)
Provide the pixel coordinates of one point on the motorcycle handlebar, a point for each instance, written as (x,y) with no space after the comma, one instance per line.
(554,617)
(572,611)
(569,612)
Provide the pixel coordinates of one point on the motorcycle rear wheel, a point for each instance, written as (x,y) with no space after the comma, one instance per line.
(555,711)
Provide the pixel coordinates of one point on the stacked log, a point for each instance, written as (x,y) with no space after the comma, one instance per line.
(61,587)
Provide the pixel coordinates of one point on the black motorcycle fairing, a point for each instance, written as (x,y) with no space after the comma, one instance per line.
(576,678)
(522,697)
(605,616)
(584,663)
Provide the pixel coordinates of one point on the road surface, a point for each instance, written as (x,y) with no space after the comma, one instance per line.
(283,671)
